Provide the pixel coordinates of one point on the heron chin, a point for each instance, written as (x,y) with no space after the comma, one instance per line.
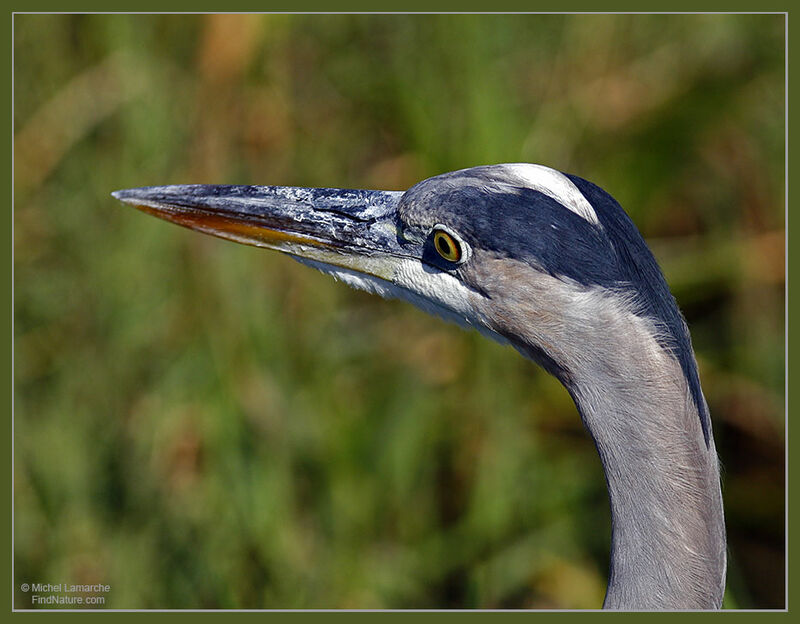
(550,264)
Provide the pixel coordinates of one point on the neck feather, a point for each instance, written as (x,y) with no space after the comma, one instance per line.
(668,533)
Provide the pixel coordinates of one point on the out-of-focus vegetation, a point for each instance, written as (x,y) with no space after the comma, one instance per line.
(202,424)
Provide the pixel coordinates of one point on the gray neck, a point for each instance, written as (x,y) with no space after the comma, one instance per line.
(668,533)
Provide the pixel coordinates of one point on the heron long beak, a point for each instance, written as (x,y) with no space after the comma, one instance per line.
(353,229)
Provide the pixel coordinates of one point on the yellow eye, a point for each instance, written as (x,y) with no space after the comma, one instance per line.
(447,246)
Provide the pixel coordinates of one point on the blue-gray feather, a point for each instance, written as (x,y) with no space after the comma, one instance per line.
(494,213)
(652,292)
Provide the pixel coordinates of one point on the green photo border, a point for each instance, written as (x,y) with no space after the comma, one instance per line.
(145,6)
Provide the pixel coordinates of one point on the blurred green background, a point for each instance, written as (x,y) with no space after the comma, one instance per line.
(202,424)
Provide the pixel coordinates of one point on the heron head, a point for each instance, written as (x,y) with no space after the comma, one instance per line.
(523,253)
(429,245)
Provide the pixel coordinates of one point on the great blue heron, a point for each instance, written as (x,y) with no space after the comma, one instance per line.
(552,265)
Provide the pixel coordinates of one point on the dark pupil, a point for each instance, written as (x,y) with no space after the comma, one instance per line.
(444,246)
